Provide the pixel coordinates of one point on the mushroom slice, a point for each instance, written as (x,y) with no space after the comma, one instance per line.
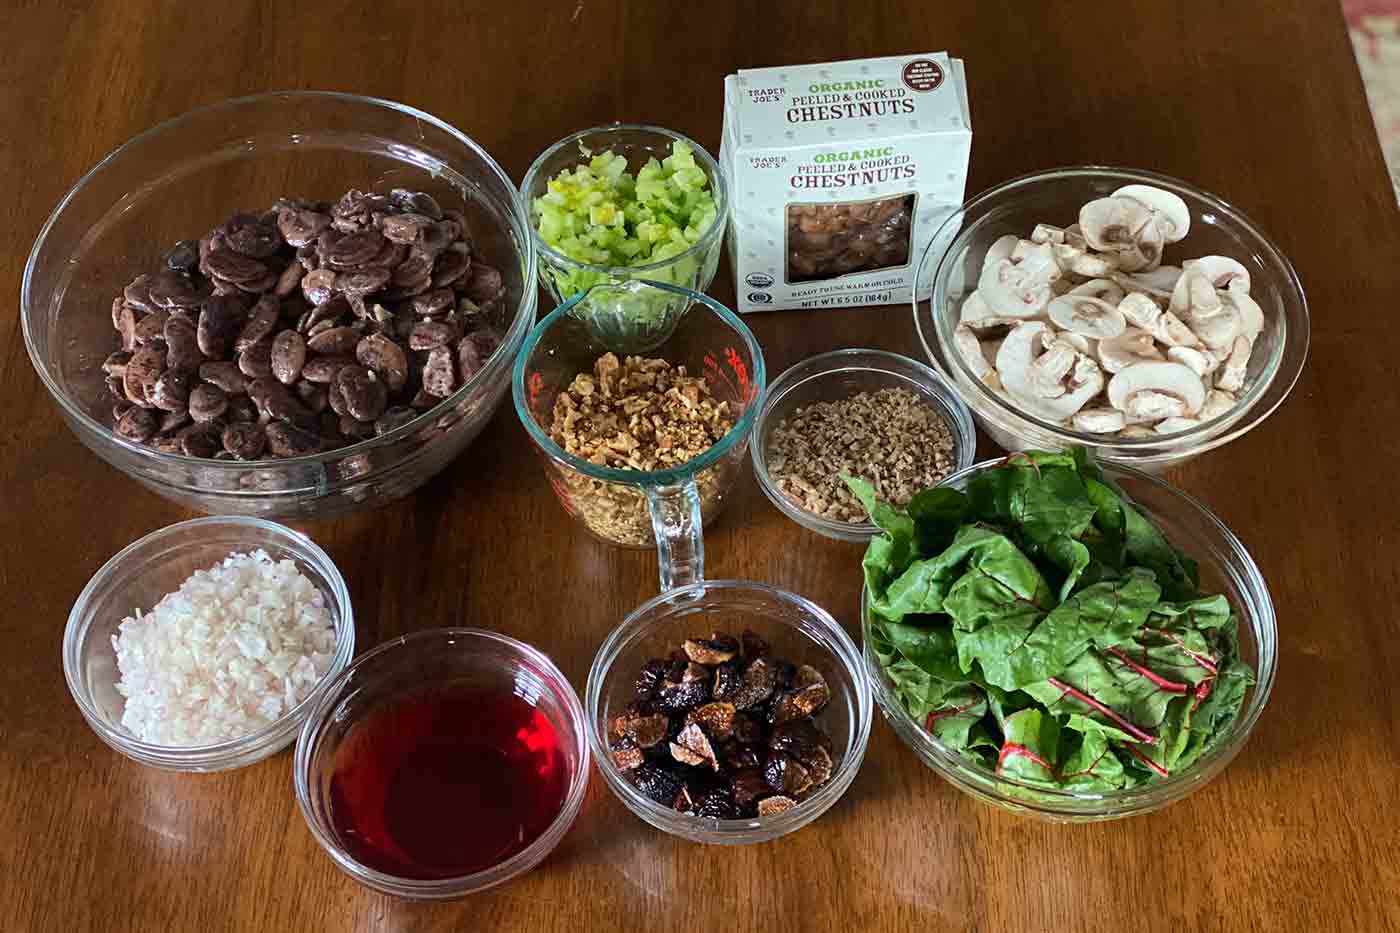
(1048,370)
(1019,286)
(1134,345)
(1091,317)
(976,314)
(1251,315)
(1233,372)
(1074,236)
(1001,248)
(1099,420)
(1103,289)
(1169,212)
(1141,387)
(1157,283)
(1170,330)
(1218,402)
(1194,294)
(1175,425)
(1149,405)
(1201,362)
(1220,271)
(1124,227)
(1080,262)
(1219,330)
(971,349)
(1015,358)
(1140,310)
(1044,233)
(1136,431)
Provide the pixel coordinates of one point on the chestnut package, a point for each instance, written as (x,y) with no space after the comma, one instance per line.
(841,173)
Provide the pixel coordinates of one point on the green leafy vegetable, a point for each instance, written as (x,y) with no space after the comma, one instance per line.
(1040,624)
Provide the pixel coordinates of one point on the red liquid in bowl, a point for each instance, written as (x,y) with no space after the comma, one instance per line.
(447,783)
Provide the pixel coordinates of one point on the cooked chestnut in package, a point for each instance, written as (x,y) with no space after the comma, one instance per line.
(841,175)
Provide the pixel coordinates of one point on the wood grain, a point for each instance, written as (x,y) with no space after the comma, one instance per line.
(1259,101)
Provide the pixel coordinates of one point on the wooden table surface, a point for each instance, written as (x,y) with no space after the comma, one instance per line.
(1258,100)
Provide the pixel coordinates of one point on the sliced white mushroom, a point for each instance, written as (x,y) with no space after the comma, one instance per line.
(1232,374)
(1175,425)
(1140,310)
(1220,271)
(1015,359)
(1172,331)
(1168,210)
(1019,285)
(1134,345)
(1099,420)
(971,349)
(1251,315)
(1085,345)
(1143,385)
(1149,405)
(1091,317)
(1103,289)
(1000,249)
(1124,227)
(1199,361)
(1218,402)
(1194,294)
(978,315)
(1048,371)
(1157,283)
(1044,233)
(1074,236)
(1136,431)
(1218,330)
(1077,261)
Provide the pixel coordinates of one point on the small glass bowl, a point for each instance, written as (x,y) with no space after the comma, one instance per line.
(950,266)
(1225,567)
(799,631)
(406,665)
(143,572)
(644,321)
(838,375)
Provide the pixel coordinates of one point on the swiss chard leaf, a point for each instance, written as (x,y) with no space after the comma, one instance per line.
(929,647)
(1030,748)
(952,722)
(921,588)
(896,524)
(938,512)
(1048,505)
(1093,766)
(1146,546)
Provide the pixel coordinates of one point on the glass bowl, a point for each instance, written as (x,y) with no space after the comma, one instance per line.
(950,266)
(143,572)
(402,668)
(798,630)
(1225,567)
(642,321)
(838,375)
(182,178)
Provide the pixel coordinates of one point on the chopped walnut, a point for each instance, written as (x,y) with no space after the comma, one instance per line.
(891,437)
(637,414)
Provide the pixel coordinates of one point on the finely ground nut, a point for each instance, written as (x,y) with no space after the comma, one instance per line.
(893,438)
(637,414)
(288,356)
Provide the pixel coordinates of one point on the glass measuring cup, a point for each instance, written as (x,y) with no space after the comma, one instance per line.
(667,508)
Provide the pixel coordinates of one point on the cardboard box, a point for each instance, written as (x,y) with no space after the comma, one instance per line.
(839,175)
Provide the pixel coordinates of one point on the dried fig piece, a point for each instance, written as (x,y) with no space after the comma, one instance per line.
(753,645)
(300,227)
(245,441)
(288,356)
(336,341)
(649,678)
(354,249)
(711,651)
(394,418)
(759,680)
(182,345)
(429,335)
(288,440)
(171,391)
(646,731)
(322,369)
(136,424)
(736,756)
(484,285)
(728,679)
(772,806)
(262,321)
(220,320)
(799,738)
(717,719)
(233,267)
(451,265)
(718,804)
(691,747)
(380,354)
(657,784)
(289,280)
(249,236)
(747,729)
(819,766)
(202,439)
(115,364)
(786,775)
(365,395)
(256,361)
(693,672)
(439,378)
(224,375)
(674,697)
(804,701)
(626,755)
(207,402)
(749,788)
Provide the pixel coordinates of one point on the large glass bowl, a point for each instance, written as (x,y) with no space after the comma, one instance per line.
(950,267)
(636,323)
(799,631)
(1225,567)
(148,569)
(182,178)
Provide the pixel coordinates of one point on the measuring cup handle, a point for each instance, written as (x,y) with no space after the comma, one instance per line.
(680,542)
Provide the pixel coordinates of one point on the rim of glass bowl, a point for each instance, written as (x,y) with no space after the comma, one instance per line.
(524,312)
(719,187)
(442,888)
(220,754)
(758,379)
(1251,409)
(740,831)
(987,783)
(824,364)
